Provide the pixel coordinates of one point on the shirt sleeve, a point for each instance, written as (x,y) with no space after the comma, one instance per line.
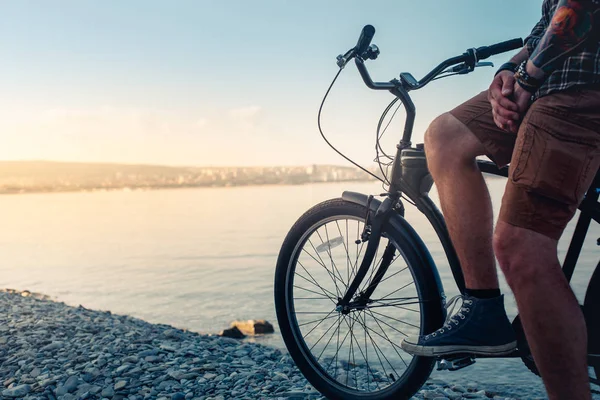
(539,29)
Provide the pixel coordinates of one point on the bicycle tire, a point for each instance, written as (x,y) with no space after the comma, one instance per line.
(591,311)
(429,300)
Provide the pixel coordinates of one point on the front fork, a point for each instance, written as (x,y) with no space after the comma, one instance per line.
(371,234)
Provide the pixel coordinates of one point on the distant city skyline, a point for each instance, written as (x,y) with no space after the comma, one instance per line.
(206,83)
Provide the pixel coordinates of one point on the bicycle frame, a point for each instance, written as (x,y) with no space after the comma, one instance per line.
(415,182)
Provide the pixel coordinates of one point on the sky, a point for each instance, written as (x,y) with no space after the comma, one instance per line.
(229,82)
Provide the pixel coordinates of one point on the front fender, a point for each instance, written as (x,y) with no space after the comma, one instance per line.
(409,235)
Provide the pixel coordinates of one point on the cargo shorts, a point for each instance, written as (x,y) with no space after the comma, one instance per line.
(553,158)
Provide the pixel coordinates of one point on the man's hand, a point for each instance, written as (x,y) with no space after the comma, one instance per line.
(505,111)
(522,98)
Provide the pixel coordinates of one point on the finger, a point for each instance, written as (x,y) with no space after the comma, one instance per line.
(508,85)
(507,104)
(509,115)
(495,89)
(513,126)
(502,122)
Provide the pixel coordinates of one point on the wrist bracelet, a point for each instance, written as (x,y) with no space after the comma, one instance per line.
(509,66)
(524,78)
(525,86)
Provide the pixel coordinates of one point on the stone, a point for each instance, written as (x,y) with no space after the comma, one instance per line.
(108,392)
(16,391)
(121,384)
(253,327)
(452,394)
(52,346)
(476,395)
(458,388)
(71,384)
(178,396)
(233,333)
(122,368)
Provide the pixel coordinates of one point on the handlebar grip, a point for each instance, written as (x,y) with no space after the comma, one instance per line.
(487,51)
(365,39)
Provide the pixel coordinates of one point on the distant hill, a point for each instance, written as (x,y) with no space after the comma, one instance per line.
(48,176)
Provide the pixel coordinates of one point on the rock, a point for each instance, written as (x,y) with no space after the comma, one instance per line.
(120,385)
(108,392)
(234,333)
(452,394)
(71,384)
(475,395)
(52,346)
(458,388)
(472,386)
(178,396)
(123,368)
(253,327)
(35,372)
(16,391)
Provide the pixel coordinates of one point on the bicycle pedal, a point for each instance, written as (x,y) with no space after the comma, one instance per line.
(454,364)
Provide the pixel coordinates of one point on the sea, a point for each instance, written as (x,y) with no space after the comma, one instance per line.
(200,258)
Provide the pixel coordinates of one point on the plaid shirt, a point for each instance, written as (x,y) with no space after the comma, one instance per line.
(580,68)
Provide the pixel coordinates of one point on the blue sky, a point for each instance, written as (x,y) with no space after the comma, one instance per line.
(226,82)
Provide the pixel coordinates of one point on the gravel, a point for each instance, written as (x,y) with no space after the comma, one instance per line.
(51,350)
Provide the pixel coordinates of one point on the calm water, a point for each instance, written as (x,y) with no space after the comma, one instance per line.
(196,258)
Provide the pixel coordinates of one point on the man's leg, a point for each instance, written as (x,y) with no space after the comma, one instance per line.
(549,311)
(451,150)
(554,162)
(452,143)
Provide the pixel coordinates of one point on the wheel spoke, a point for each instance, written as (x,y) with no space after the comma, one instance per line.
(317,293)
(333,277)
(314,281)
(377,349)
(397,290)
(322,336)
(316,326)
(362,353)
(317,320)
(334,268)
(387,340)
(395,273)
(387,337)
(397,320)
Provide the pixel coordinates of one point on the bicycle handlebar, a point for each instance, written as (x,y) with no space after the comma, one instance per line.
(469,58)
(487,51)
(364,39)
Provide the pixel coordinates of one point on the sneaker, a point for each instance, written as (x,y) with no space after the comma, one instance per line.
(479,327)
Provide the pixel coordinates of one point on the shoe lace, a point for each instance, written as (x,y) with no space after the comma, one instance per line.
(453,318)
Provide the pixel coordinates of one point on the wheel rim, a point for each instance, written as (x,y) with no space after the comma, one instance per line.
(358,352)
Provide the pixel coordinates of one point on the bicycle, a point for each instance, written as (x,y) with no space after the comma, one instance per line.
(353,277)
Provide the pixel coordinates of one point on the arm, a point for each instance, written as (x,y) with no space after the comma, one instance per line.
(520,56)
(569,27)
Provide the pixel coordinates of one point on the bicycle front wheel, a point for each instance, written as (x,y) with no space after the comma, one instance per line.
(353,355)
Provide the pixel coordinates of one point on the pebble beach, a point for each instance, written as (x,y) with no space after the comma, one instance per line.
(50,350)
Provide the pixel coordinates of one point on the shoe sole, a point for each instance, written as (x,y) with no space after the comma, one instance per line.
(432,351)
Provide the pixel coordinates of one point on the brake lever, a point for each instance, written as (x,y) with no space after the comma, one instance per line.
(484,64)
(342,60)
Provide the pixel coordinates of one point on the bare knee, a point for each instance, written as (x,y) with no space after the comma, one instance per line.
(448,142)
(524,256)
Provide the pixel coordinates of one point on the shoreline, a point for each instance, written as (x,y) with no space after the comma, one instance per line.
(51,350)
